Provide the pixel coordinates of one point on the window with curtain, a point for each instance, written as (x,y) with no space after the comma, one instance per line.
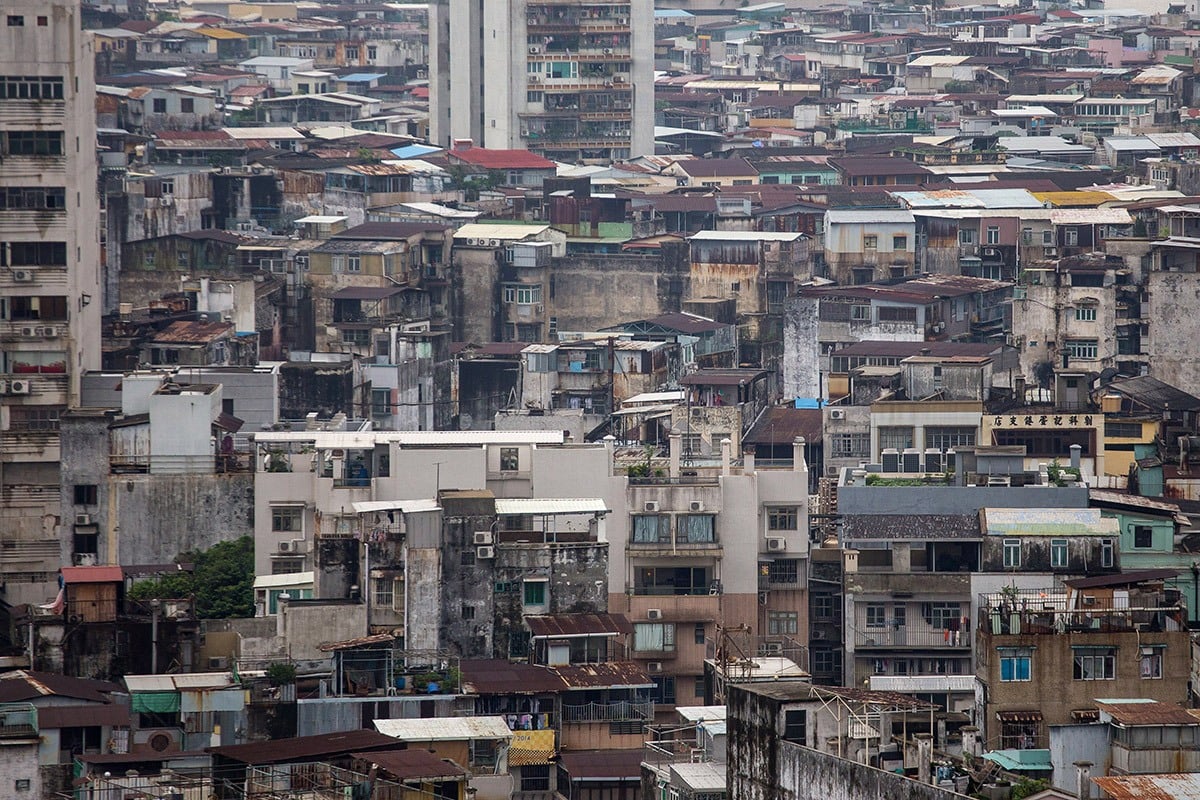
(654,637)
(651,528)
(697,529)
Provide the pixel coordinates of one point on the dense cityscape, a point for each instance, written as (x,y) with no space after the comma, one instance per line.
(599,400)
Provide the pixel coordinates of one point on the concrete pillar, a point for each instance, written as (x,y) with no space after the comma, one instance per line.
(798,462)
(1083,772)
(1076,453)
(748,463)
(971,744)
(610,443)
(924,757)
(726,456)
(281,614)
(676,453)
(901,557)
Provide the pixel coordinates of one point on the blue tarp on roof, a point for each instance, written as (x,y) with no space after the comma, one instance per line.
(362,77)
(414,150)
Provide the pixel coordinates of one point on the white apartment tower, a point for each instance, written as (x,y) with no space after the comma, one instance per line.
(50,301)
(572,80)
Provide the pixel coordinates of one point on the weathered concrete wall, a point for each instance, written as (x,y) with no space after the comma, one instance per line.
(801,365)
(160,516)
(315,386)
(952,500)
(1174,327)
(582,294)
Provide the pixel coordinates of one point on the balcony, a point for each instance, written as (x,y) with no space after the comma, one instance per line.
(1050,612)
(907,637)
(620,711)
(18,721)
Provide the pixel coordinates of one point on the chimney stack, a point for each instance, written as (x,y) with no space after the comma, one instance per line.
(1083,770)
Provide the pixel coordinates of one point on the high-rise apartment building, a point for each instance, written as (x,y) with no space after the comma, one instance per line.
(572,80)
(50,300)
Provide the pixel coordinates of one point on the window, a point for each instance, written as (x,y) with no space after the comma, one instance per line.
(372,54)
(698,633)
(381,402)
(1106,553)
(466,558)
(942,616)
(382,592)
(663,692)
(187,106)
(30,88)
(1086,349)
(782,623)
(15,21)
(993,234)
(43,22)
(966,236)
(1085,313)
(699,688)
(1072,237)
(654,637)
(510,459)
(850,445)
(1143,536)
(1012,553)
(652,529)
(85,494)
(860,313)
(33,254)
(1095,663)
(876,616)
(354,264)
(535,592)
(1151,664)
(870,242)
(822,606)
(895,438)
(33,198)
(160,105)
(528,295)
(784,570)
(33,418)
(1015,664)
(783,519)
(897,314)
(697,529)
(287,519)
(1058,554)
(535,778)
(899,243)
(1122,430)
(795,726)
(1027,236)
(34,143)
(949,437)
(467,612)
(1047,238)
(825,661)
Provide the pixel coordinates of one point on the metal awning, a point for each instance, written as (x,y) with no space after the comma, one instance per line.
(1019,716)
(550,506)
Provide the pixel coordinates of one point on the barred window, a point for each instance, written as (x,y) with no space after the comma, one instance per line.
(850,445)
(30,88)
(948,437)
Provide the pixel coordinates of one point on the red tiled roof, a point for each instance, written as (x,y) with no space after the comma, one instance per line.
(501,159)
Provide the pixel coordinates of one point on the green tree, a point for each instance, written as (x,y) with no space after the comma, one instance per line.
(222,582)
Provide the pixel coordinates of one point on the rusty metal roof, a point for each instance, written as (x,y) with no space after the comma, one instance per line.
(1149,505)
(1178,786)
(555,625)
(1148,712)
(781,425)
(361,641)
(1122,578)
(25,684)
(185,332)
(92,574)
(413,764)
(610,675)
(602,764)
(306,748)
(494,676)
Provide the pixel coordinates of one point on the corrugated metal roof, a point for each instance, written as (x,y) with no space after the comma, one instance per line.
(183,681)
(92,574)
(910,684)
(705,776)
(745,236)
(548,506)
(1179,786)
(1174,139)
(606,765)
(444,729)
(484,230)
(340,439)
(415,764)
(1148,712)
(264,133)
(306,748)
(361,641)
(653,398)
(610,674)
(701,713)
(848,216)
(403,506)
(1090,216)
(567,625)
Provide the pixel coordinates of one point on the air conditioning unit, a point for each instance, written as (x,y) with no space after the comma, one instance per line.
(1050,251)
(650,505)
(485,552)
(654,613)
(818,634)
(158,740)
(23,275)
(18,387)
(287,547)
(534,50)
(48,332)
(837,413)
(483,537)
(776,544)
(535,78)
(30,331)
(473,242)
(493,242)
(696,505)
(770,648)
(83,519)
(654,667)
(608,51)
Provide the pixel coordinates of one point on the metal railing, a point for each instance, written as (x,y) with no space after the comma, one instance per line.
(620,711)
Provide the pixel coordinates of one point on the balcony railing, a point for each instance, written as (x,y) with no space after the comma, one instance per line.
(621,711)
(18,721)
(891,637)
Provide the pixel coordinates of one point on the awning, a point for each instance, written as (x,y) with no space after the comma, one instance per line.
(1086,715)
(1019,716)
(366,292)
(531,747)
(156,702)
